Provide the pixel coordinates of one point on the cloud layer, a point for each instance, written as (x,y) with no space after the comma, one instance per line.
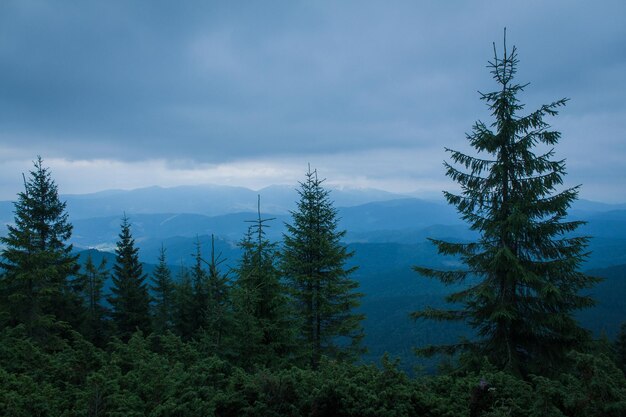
(369,90)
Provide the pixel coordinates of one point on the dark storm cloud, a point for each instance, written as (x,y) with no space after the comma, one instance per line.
(222,81)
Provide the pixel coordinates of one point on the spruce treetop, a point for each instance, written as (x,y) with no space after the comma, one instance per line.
(41,219)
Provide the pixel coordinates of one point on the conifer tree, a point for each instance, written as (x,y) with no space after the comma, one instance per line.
(129,299)
(314,264)
(246,344)
(163,295)
(184,308)
(218,313)
(522,279)
(200,290)
(92,281)
(264,335)
(38,263)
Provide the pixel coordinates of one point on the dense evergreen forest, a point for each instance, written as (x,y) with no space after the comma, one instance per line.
(281,333)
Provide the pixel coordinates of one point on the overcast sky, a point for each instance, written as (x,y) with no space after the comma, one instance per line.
(125,94)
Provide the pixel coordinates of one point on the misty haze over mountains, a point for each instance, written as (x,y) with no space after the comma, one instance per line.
(215,200)
(208,200)
(368,215)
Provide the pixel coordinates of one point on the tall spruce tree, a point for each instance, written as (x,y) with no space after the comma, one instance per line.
(129,294)
(37,260)
(522,279)
(163,290)
(314,264)
(263,332)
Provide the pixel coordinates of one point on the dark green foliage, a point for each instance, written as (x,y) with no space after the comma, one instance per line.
(38,264)
(522,280)
(163,296)
(263,333)
(95,326)
(184,307)
(161,375)
(314,264)
(620,348)
(200,281)
(218,311)
(35,381)
(129,299)
(335,389)
(200,303)
(591,387)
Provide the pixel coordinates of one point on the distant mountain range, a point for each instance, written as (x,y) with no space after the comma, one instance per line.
(215,200)
(387,232)
(208,200)
(175,216)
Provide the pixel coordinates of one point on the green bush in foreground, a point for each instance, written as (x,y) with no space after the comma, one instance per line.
(164,376)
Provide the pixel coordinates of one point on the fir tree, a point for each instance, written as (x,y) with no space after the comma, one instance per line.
(184,309)
(92,279)
(264,335)
(129,299)
(200,289)
(163,295)
(522,279)
(218,313)
(37,261)
(314,263)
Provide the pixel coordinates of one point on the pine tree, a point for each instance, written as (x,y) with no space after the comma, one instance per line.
(129,299)
(92,279)
(264,335)
(163,290)
(314,263)
(37,261)
(522,281)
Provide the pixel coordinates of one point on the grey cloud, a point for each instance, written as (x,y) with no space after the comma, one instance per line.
(223,81)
